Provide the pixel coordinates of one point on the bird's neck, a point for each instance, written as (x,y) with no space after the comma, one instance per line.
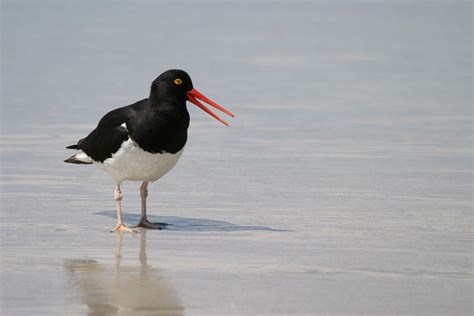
(167,103)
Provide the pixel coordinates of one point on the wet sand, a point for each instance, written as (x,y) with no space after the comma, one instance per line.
(344,185)
(118,290)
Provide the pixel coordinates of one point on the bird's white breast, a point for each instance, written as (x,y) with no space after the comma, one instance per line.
(131,162)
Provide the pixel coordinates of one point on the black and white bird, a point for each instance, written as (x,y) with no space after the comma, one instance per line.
(144,140)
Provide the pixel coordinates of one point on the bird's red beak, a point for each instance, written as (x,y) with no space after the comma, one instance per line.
(193,97)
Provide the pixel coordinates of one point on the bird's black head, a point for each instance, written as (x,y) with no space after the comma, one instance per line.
(174,87)
(171,85)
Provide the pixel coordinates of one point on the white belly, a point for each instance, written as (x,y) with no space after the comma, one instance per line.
(131,162)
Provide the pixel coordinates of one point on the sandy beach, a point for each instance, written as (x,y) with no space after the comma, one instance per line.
(343,186)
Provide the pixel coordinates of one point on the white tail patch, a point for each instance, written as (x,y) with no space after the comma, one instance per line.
(80,157)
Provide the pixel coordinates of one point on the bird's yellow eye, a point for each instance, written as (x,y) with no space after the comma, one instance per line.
(178,81)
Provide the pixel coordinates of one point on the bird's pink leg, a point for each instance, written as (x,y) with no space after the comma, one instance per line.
(143,219)
(120,227)
(143,196)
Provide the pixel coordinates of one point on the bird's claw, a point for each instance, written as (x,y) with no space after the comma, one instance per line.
(120,228)
(150,225)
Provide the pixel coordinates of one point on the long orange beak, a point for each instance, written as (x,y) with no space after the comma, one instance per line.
(193,97)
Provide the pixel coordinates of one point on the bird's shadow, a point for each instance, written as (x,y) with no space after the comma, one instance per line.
(189,224)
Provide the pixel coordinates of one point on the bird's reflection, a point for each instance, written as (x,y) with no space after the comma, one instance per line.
(118,290)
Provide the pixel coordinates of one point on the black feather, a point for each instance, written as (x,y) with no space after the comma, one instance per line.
(157,124)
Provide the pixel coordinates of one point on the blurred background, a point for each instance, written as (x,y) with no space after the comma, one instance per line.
(343,185)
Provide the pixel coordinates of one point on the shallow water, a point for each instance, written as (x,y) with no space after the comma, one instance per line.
(344,185)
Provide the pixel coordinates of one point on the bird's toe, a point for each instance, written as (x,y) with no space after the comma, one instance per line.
(120,228)
(149,225)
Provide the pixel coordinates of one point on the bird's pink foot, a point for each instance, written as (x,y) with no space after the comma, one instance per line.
(120,228)
(144,223)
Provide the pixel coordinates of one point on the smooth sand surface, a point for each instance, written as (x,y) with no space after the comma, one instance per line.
(343,186)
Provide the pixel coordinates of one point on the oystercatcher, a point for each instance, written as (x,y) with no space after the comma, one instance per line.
(144,140)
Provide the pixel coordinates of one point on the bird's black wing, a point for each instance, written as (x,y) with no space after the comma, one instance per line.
(109,135)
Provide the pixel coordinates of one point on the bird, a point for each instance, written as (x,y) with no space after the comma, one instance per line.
(144,140)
